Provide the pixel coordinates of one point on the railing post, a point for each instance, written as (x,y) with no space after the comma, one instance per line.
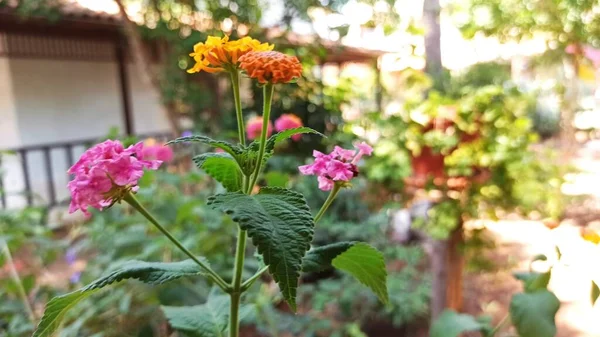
(26,181)
(2,191)
(49,176)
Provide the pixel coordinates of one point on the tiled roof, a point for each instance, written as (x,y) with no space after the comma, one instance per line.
(70,9)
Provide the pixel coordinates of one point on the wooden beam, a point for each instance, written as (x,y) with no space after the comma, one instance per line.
(124,87)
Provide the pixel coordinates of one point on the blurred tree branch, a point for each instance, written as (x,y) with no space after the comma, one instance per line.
(143,61)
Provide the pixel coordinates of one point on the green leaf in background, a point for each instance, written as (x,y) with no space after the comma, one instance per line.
(319,259)
(367,265)
(207,320)
(276,179)
(533,313)
(534,281)
(223,168)
(147,272)
(233,150)
(452,324)
(281,227)
(594,293)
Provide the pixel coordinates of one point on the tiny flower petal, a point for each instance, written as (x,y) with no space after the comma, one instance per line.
(343,154)
(365,148)
(325,184)
(338,170)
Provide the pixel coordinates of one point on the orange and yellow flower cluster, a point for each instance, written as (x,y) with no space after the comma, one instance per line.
(219,54)
(257,59)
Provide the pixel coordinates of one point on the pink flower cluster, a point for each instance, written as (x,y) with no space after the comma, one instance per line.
(104,172)
(289,121)
(157,152)
(254,127)
(338,166)
(284,122)
(589,52)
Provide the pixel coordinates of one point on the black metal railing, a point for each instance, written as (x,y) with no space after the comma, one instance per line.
(27,181)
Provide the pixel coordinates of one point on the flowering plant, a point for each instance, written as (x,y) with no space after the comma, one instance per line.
(278,220)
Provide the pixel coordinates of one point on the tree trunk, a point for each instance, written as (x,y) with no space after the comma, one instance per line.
(439,277)
(433,52)
(144,63)
(455,262)
(570,105)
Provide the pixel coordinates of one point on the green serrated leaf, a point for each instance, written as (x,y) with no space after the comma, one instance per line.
(207,320)
(285,134)
(367,265)
(453,324)
(594,293)
(533,313)
(281,227)
(147,272)
(319,259)
(232,149)
(223,168)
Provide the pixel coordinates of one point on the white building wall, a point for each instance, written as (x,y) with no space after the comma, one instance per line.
(148,115)
(10,173)
(64,100)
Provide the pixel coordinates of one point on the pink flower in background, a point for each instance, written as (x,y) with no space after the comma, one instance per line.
(593,55)
(289,121)
(157,152)
(104,172)
(254,127)
(338,166)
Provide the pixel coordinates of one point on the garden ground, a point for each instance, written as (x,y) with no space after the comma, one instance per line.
(519,241)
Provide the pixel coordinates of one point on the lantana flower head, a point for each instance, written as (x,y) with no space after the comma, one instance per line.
(218,54)
(338,167)
(105,172)
(254,127)
(157,152)
(271,66)
(289,121)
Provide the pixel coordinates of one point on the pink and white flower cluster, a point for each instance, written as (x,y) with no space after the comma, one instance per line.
(338,166)
(104,172)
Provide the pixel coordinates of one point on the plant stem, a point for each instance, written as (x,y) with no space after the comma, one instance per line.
(132,200)
(235,84)
(249,282)
(236,284)
(334,192)
(500,325)
(18,282)
(267,98)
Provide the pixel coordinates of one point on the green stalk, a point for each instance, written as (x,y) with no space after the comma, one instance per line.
(267,97)
(236,284)
(500,325)
(132,200)
(235,84)
(17,280)
(334,192)
(249,282)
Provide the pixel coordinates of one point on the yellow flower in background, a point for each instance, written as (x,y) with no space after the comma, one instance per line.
(590,235)
(219,54)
